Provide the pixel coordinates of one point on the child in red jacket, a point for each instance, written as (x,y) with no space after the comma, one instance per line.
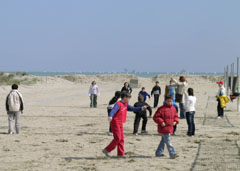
(117,117)
(166,117)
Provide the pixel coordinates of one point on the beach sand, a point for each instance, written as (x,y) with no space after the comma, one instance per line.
(61,132)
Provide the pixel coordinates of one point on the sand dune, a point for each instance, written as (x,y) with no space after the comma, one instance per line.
(60,132)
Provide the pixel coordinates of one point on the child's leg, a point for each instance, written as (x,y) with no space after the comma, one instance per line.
(144,123)
(11,119)
(193,124)
(170,147)
(116,135)
(136,123)
(121,142)
(17,122)
(95,101)
(91,101)
(160,148)
(188,123)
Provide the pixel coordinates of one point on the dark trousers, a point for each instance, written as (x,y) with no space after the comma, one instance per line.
(93,100)
(220,109)
(110,128)
(190,122)
(156,100)
(137,121)
(182,112)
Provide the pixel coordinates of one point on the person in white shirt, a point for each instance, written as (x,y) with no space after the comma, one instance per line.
(93,93)
(190,101)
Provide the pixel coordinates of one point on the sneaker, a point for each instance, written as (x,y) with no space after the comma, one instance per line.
(218,117)
(10,133)
(144,132)
(110,134)
(174,156)
(135,134)
(161,155)
(106,153)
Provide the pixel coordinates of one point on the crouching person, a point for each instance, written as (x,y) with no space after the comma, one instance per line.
(14,107)
(166,117)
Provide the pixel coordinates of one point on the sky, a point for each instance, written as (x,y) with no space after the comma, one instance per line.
(113,36)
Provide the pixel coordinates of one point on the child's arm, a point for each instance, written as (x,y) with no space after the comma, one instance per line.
(158,117)
(135,109)
(113,112)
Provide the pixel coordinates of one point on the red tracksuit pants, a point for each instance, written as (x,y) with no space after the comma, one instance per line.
(118,141)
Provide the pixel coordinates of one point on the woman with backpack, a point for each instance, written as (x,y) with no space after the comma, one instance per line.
(14,108)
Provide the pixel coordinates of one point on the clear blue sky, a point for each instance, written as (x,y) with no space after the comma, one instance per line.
(108,35)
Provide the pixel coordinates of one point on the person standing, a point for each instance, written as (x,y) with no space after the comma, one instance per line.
(144,94)
(93,93)
(181,86)
(166,117)
(221,93)
(156,91)
(127,88)
(14,108)
(190,101)
(141,114)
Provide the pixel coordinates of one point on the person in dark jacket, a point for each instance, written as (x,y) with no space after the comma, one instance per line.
(111,104)
(156,91)
(127,88)
(141,114)
(144,94)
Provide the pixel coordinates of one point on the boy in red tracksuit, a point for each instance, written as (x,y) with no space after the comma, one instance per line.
(166,117)
(117,117)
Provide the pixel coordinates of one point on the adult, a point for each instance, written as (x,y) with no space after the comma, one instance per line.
(127,88)
(221,93)
(181,87)
(156,91)
(144,94)
(93,93)
(14,108)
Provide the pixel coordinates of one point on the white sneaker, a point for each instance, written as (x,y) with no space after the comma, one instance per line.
(218,117)
(10,133)
(110,134)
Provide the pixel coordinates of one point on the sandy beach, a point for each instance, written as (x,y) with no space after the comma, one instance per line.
(61,132)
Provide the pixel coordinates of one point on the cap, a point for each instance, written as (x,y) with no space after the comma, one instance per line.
(220,82)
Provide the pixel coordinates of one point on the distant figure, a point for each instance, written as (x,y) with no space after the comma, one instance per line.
(156,91)
(221,95)
(14,108)
(171,89)
(166,117)
(181,86)
(127,88)
(117,117)
(111,104)
(93,93)
(141,114)
(144,94)
(190,101)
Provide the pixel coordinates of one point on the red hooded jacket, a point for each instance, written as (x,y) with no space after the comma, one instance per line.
(167,114)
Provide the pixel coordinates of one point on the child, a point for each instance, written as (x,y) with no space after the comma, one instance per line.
(221,92)
(144,94)
(156,91)
(166,117)
(111,105)
(141,114)
(14,107)
(117,117)
(190,102)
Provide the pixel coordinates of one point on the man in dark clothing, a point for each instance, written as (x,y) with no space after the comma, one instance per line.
(156,91)
(127,88)
(141,114)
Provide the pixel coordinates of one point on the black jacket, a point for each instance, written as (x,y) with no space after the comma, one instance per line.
(155,88)
(129,89)
(143,112)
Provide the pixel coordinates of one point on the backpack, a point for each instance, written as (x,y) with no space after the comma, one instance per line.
(14,101)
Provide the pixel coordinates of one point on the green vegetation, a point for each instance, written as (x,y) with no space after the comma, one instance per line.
(18,78)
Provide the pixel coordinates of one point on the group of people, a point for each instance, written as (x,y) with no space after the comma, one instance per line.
(166,117)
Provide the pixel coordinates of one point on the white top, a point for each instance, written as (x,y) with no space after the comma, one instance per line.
(222,91)
(181,86)
(94,90)
(190,102)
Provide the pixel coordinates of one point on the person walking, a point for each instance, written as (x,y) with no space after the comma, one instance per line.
(93,94)
(127,88)
(156,92)
(14,108)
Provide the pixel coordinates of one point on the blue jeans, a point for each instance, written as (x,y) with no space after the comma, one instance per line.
(191,124)
(165,140)
(182,112)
